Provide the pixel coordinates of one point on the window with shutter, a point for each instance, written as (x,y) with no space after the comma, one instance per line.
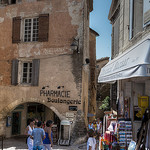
(34,29)
(25,72)
(43,27)
(16,30)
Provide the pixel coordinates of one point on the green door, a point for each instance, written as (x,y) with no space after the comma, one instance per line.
(16,123)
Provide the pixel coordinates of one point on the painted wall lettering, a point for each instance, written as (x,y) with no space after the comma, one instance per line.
(58,96)
(55,93)
(64,101)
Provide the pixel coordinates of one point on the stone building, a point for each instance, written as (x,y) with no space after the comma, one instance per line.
(103,89)
(130,63)
(44,72)
(93,77)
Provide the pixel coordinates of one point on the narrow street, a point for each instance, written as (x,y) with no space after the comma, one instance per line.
(19,143)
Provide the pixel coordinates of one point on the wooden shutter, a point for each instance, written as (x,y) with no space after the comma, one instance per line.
(14,74)
(16,26)
(43,27)
(35,72)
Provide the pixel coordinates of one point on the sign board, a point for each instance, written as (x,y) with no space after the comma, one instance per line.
(73,108)
(69,115)
(146,12)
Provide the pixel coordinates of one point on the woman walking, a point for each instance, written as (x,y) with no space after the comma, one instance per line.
(91,143)
(48,141)
(28,132)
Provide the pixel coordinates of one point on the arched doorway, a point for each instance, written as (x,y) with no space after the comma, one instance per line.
(17,119)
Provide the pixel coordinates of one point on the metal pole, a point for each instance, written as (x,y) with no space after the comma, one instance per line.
(2,142)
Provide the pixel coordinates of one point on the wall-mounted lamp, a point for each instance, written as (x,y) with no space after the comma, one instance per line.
(75,45)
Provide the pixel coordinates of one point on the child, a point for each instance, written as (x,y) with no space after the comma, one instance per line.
(91,143)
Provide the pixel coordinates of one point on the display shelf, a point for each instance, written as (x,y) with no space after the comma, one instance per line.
(124,134)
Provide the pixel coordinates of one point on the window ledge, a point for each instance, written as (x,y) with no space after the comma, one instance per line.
(24,85)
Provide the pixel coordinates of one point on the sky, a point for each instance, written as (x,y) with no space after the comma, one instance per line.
(100,23)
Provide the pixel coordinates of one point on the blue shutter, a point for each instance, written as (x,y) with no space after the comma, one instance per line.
(35,72)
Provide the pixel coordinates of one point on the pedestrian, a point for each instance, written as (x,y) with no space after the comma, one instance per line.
(90,126)
(91,143)
(48,141)
(38,135)
(28,131)
(99,127)
(36,121)
(95,125)
(44,124)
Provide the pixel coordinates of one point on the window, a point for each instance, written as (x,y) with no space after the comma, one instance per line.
(115,36)
(13,1)
(7,2)
(34,29)
(146,13)
(31,27)
(26,72)
(136,17)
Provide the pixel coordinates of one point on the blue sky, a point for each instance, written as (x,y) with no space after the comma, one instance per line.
(100,23)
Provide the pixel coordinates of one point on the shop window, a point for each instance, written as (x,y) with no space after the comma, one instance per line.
(25,72)
(34,29)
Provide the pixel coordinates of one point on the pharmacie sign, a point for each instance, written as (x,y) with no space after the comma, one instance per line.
(58,96)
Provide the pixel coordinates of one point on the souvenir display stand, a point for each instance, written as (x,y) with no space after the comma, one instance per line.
(109,131)
(124,134)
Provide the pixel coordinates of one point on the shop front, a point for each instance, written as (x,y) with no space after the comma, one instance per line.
(43,103)
(16,121)
(131,71)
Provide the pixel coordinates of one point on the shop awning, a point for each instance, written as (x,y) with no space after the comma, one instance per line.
(134,62)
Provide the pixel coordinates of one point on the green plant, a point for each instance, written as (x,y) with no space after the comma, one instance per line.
(105,104)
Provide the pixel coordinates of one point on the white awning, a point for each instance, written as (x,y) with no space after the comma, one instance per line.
(134,62)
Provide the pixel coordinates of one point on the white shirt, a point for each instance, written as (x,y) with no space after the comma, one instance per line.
(91,142)
(98,125)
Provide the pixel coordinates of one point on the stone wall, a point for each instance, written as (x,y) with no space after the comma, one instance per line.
(61,69)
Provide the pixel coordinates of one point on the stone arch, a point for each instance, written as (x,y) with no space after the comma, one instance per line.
(14,104)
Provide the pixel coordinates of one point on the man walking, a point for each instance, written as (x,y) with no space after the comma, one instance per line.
(38,135)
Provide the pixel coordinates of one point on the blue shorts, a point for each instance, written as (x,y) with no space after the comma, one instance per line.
(37,147)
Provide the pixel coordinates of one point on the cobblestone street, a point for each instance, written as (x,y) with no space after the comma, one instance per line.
(19,143)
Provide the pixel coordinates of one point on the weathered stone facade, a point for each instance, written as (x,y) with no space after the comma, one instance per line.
(93,77)
(63,77)
(103,89)
(132,33)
